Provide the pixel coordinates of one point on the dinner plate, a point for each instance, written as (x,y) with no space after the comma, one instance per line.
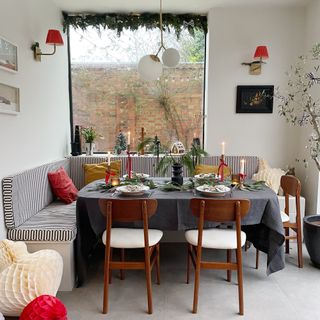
(213,191)
(138,175)
(132,190)
(206,176)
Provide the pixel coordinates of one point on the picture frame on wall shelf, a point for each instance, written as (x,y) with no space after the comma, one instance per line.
(255,99)
(8,55)
(9,99)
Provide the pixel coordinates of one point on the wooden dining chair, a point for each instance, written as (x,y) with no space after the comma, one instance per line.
(130,238)
(291,187)
(222,210)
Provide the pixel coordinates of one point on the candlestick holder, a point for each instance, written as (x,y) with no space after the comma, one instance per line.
(242,177)
(221,168)
(129,163)
(108,174)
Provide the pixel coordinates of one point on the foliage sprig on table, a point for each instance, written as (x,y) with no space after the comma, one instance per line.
(119,22)
(254,186)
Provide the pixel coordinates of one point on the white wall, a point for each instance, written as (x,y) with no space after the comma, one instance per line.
(234,34)
(310,176)
(40,133)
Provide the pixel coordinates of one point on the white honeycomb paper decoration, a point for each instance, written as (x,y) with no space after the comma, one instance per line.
(25,276)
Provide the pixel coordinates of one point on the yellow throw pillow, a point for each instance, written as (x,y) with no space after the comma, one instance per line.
(203,168)
(97,171)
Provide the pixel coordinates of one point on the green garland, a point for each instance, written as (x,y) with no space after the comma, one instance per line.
(119,22)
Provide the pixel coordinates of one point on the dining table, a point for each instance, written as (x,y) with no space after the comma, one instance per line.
(262,224)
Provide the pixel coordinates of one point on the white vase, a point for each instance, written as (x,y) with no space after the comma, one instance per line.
(89,148)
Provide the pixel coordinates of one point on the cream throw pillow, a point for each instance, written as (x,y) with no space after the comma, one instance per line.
(271,176)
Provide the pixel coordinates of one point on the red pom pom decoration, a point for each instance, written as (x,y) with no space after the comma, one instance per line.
(44,307)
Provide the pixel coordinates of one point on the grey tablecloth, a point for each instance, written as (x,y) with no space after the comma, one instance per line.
(262,224)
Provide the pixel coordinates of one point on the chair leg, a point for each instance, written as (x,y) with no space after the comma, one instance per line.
(299,245)
(189,248)
(106,281)
(158,262)
(228,260)
(287,241)
(148,278)
(196,284)
(110,271)
(122,260)
(246,246)
(240,280)
(257,259)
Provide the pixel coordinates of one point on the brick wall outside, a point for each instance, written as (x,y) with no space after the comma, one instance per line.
(113,98)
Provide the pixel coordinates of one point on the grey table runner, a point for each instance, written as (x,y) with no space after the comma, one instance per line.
(263,223)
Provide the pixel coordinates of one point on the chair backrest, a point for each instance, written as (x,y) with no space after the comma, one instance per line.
(290,185)
(220,210)
(128,210)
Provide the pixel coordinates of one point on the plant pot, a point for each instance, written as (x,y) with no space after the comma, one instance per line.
(311,231)
(89,148)
(177,177)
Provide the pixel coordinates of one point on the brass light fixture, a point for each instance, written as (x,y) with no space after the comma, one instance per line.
(53,38)
(150,67)
(255,66)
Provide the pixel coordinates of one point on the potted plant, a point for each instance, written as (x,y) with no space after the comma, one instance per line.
(89,134)
(300,105)
(177,162)
(152,145)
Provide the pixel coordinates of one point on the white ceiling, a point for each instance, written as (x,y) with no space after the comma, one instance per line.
(174,6)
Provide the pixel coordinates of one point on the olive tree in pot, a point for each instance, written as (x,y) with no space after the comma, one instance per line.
(89,135)
(300,105)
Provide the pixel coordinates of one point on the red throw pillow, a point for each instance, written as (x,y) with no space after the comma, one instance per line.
(62,186)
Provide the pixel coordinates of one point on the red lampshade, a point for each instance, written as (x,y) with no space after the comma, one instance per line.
(54,37)
(261,52)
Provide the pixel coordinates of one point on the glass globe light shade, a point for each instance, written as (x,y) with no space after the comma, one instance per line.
(150,67)
(170,57)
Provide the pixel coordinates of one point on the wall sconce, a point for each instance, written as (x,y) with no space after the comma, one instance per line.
(54,38)
(255,66)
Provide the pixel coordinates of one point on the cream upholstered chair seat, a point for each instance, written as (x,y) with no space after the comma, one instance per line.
(25,276)
(284,217)
(216,238)
(126,238)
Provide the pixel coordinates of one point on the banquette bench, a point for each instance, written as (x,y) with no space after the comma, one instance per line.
(32,214)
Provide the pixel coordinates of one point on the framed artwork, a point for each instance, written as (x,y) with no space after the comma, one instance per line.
(8,55)
(9,99)
(254,99)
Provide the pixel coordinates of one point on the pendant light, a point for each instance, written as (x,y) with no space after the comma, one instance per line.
(150,67)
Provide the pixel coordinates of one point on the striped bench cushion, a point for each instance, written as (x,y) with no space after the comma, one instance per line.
(56,222)
(28,192)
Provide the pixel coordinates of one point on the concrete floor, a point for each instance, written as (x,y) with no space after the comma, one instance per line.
(292,293)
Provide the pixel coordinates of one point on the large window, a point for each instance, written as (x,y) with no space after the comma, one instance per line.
(108,94)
